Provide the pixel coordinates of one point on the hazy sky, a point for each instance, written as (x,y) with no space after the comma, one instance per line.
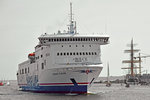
(23,21)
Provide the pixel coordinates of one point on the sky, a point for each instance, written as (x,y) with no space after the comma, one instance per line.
(23,21)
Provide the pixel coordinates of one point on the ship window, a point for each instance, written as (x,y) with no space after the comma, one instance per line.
(65,39)
(76,45)
(83,53)
(67,53)
(86,53)
(95,53)
(96,39)
(80,53)
(41,56)
(69,45)
(76,39)
(74,53)
(57,54)
(25,70)
(107,39)
(92,53)
(59,39)
(89,45)
(70,53)
(42,65)
(73,39)
(64,54)
(82,45)
(61,54)
(62,39)
(28,69)
(77,53)
(89,53)
(61,45)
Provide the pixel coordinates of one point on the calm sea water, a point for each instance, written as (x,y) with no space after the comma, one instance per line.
(97,92)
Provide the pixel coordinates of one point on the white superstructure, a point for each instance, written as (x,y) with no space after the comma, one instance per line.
(63,62)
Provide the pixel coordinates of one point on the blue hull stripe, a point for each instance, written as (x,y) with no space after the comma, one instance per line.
(56,89)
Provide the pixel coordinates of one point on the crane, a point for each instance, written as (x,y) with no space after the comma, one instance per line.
(140,60)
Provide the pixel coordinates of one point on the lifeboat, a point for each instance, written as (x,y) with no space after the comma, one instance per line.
(31,54)
(1,83)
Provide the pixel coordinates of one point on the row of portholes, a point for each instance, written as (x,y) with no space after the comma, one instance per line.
(76,45)
(75,53)
(75,39)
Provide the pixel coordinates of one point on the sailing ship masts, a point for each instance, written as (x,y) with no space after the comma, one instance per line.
(108,73)
(132,60)
(140,63)
(132,65)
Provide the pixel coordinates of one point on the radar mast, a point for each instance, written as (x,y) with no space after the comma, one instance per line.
(72,26)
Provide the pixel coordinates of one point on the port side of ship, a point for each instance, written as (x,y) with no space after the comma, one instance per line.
(63,63)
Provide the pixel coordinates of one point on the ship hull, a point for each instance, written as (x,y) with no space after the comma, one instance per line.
(62,80)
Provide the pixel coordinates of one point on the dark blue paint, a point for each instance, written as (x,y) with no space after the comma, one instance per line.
(56,89)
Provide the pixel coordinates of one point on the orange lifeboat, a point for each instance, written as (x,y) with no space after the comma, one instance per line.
(31,54)
(1,84)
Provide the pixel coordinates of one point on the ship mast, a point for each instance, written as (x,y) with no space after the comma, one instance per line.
(70,14)
(72,26)
(132,54)
(108,81)
(140,60)
(132,61)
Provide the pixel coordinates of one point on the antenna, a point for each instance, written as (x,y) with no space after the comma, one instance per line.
(72,26)
(70,13)
(106,25)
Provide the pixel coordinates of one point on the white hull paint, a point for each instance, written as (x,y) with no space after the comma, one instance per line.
(63,62)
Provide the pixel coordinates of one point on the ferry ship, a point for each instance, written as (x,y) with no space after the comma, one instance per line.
(66,62)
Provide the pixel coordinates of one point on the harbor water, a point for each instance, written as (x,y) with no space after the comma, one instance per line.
(96,92)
